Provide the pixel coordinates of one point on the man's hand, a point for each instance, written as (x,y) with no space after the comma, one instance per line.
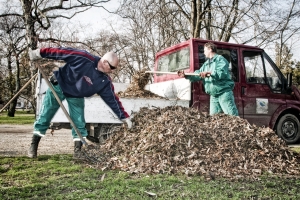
(205,74)
(181,73)
(34,54)
(128,122)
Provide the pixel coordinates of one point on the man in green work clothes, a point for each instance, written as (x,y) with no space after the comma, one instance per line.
(217,81)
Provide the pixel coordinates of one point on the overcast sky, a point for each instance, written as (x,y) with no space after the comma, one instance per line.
(98,18)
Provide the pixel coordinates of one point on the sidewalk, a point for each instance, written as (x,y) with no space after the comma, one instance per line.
(15,141)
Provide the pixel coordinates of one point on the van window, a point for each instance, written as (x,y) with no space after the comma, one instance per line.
(175,61)
(254,67)
(229,54)
(260,71)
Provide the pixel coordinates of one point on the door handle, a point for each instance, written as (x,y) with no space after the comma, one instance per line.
(243,90)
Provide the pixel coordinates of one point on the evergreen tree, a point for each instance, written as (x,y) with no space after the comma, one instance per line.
(285,63)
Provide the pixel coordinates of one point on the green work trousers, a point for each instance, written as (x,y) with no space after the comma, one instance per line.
(223,103)
(50,107)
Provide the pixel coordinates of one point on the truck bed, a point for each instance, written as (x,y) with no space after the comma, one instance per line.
(96,111)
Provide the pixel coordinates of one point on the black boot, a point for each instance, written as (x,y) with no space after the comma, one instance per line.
(32,152)
(78,155)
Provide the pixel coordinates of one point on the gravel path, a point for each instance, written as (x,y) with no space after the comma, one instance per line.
(15,141)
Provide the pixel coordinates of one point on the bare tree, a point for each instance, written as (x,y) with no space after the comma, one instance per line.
(289,25)
(39,14)
(150,26)
(154,25)
(11,35)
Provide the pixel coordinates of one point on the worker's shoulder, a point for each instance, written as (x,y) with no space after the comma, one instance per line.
(219,57)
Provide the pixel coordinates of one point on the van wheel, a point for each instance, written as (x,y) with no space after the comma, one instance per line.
(288,128)
(104,131)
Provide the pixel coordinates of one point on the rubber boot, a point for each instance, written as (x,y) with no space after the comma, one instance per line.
(32,152)
(78,155)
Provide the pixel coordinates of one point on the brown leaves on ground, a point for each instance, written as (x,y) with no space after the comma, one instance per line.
(183,140)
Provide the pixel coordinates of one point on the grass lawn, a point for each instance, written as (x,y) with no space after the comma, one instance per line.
(59,177)
(21,117)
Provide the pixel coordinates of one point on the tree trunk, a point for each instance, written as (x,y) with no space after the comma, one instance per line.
(12,105)
(31,37)
(12,108)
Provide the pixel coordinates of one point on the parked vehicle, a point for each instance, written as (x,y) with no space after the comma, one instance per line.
(263,95)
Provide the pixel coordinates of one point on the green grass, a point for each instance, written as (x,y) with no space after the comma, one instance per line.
(21,117)
(296,149)
(59,177)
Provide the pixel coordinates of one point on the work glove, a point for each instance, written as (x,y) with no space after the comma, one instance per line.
(34,54)
(128,122)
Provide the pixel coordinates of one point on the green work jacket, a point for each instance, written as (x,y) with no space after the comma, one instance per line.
(220,79)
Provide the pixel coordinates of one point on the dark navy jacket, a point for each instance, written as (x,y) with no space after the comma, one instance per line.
(80,78)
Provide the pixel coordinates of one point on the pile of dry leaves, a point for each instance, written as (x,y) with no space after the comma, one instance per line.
(182,140)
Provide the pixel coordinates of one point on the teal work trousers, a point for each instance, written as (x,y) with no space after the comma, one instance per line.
(50,107)
(223,103)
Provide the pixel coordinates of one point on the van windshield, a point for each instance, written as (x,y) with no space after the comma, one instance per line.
(174,61)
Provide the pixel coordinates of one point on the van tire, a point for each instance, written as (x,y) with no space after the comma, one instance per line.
(288,128)
(102,132)
(105,131)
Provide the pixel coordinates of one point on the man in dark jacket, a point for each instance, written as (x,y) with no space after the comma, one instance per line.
(83,75)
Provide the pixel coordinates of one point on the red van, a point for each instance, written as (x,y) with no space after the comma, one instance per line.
(263,95)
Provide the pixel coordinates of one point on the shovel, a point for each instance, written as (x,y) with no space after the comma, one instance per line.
(173,73)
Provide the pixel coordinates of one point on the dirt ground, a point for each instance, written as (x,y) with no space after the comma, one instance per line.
(15,141)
